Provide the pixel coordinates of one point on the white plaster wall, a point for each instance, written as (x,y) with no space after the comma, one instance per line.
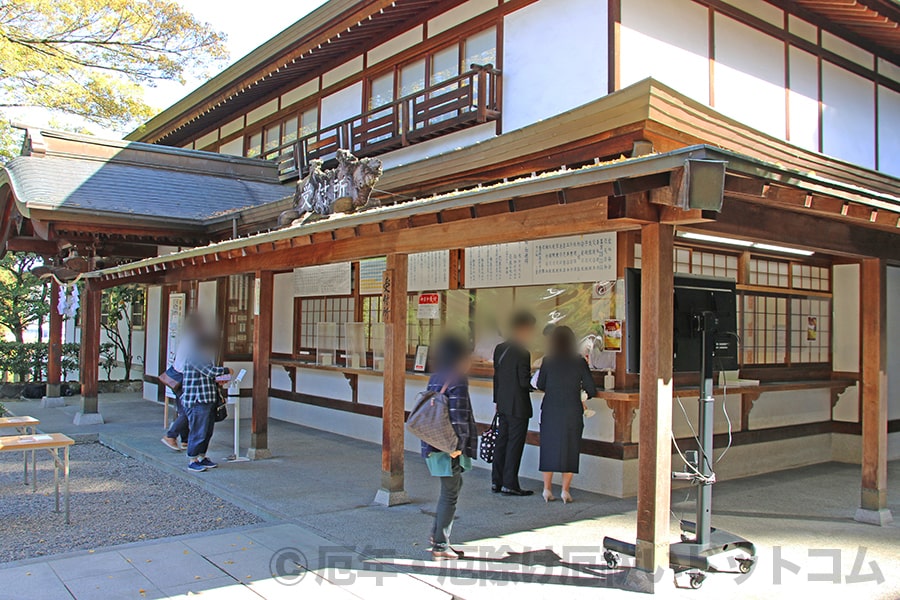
(151,346)
(668,41)
(206,300)
(553,60)
(776,409)
(803,100)
(283,313)
(888,131)
(845,323)
(848,119)
(749,76)
(893,349)
(459,14)
(341,105)
(440,145)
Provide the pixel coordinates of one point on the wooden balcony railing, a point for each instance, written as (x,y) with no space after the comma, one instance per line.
(463,101)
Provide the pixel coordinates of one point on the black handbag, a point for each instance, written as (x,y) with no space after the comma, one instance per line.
(489,442)
(221,406)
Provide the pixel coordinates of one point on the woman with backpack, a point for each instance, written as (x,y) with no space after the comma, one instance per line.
(453,358)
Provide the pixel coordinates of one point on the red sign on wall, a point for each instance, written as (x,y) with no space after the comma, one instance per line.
(429,306)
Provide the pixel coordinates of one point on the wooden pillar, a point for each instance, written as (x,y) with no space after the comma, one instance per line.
(54,349)
(262,351)
(90,354)
(394,306)
(655,450)
(873,390)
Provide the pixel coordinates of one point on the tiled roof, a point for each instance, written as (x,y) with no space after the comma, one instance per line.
(78,184)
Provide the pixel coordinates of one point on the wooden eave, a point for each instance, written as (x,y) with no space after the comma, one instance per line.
(331,34)
(611,196)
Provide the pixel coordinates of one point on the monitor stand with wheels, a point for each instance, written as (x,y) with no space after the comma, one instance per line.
(699,540)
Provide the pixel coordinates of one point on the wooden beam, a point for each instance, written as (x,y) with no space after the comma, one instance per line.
(655,460)
(90,348)
(587,216)
(54,349)
(394,306)
(752,221)
(262,350)
(873,387)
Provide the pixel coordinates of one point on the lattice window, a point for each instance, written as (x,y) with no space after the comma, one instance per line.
(338,309)
(810,277)
(239,316)
(713,264)
(810,330)
(768,273)
(371,316)
(763,322)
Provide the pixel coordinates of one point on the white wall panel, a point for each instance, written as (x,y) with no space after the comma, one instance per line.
(235,147)
(668,41)
(845,324)
(439,145)
(343,71)
(893,346)
(847,50)
(553,60)
(849,116)
(804,29)
(151,345)
(888,131)
(749,76)
(206,300)
(459,14)
(803,102)
(393,46)
(283,313)
(889,69)
(761,9)
(341,105)
(269,108)
(299,93)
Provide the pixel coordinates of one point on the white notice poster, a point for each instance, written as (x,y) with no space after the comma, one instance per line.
(573,259)
(429,271)
(323,280)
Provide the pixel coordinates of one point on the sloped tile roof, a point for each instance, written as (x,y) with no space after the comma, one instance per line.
(77,184)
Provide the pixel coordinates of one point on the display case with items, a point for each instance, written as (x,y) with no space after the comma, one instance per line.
(326,343)
(355,345)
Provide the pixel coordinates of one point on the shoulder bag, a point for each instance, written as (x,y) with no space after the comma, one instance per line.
(430,420)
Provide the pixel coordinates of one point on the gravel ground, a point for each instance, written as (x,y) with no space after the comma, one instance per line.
(114,500)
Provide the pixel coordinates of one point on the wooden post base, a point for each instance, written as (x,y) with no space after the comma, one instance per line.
(88,418)
(881,517)
(56,401)
(391,492)
(259,453)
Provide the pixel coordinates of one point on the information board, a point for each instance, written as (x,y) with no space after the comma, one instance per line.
(323,280)
(571,259)
(371,272)
(429,271)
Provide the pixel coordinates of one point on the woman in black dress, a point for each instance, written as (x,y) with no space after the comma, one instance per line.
(563,376)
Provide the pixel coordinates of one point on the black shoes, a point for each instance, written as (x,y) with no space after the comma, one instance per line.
(495,489)
(517,492)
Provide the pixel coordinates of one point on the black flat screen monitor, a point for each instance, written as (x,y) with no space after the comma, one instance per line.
(692,295)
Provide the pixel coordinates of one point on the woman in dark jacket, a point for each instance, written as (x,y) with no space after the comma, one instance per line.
(563,376)
(453,360)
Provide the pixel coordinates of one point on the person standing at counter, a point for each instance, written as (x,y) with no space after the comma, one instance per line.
(563,376)
(453,362)
(512,395)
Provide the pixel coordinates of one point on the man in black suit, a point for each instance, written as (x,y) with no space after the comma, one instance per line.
(512,395)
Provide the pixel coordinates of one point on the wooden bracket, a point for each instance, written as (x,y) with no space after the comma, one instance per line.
(623,419)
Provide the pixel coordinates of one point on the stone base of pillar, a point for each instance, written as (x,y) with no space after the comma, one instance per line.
(82,418)
(879,517)
(645,582)
(388,498)
(259,453)
(53,402)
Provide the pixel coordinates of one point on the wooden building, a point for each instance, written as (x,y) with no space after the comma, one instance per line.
(530,154)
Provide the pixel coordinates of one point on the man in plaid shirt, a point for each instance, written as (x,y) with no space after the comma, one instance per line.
(199,395)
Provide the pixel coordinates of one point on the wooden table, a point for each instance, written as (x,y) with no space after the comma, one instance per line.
(51,442)
(24,425)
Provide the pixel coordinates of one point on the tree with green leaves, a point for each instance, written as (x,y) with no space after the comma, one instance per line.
(24,298)
(117,323)
(89,58)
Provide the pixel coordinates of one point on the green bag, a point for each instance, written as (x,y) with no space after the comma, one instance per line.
(441,465)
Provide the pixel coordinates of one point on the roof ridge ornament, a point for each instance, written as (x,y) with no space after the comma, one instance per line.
(345,188)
